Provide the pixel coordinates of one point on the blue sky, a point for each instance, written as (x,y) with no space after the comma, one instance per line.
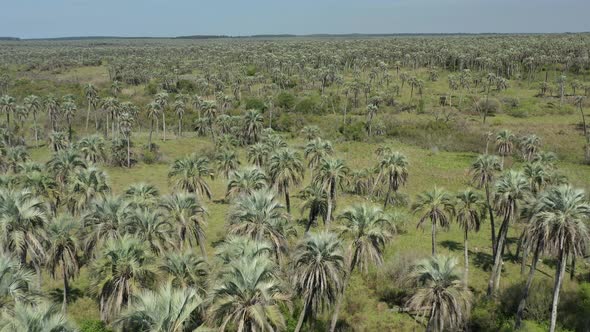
(58,18)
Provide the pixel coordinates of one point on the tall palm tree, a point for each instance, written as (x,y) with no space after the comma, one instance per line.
(530,145)
(91,95)
(248,297)
(153,112)
(7,106)
(315,199)
(470,210)
(126,125)
(484,170)
(84,186)
(371,112)
(52,108)
(394,166)
(69,111)
(316,150)
(319,267)
(564,229)
(537,175)
(261,217)
(124,267)
(111,105)
(63,250)
(511,190)
(187,214)
(35,318)
(162,100)
(189,174)
(168,309)
(186,269)
(33,105)
(93,148)
(331,174)
(286,170)
(179,108)
(64,163)
(152,227)
(368,229)
(245,182)
(441,294)
(16,282)
(505,144)
(437,207)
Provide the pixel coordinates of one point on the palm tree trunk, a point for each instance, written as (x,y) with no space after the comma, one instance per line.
(559,272)
(129,151)
(151,132)
(497,268)
(339,304)
(301,317)
(527,288)
(287,201)
(387,198)
(65,293)
(466,254)
(36,130)
(164,125)
(433,230)
(179,127)
(573,267)
(87,117)
(491,213)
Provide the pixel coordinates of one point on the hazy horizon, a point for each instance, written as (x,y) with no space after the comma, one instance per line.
(160,18)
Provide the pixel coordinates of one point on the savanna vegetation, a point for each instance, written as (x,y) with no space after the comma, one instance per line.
(295,184)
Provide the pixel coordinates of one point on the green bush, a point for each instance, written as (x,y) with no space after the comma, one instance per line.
(538,303)
(93,326)
(254,104)
(354,131)
(285,100)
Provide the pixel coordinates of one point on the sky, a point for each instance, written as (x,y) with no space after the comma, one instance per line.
(168,18)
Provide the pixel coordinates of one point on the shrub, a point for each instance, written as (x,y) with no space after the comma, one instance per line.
(538,303)
(285,100)
(353,132)
(254,104)
(93,326)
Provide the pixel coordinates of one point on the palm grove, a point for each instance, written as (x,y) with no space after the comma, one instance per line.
(147,252)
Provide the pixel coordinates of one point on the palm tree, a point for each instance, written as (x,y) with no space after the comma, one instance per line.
(58,141)
(7,106)
(395,167)
(319,267)
(187,214)
(33,105)
(258,154)
(63,251)
(537,175)
(84,186)
(126,125)
(16,282)
(261,217)
(315,199)
(105,221)
(245,182)
(35,318)
(168,309)
(316,150)
(484,170)
(23,217)
(124,267)
(153,111)
(511,189)
(371,112)
(436,206)
(470,211)
(331,175)
(252,126)
(91,95)
(179,108)
(310,132)
(142,195)
(64,163)
(505,144)
(152,227)
(369,229)
(441,294)
(162,100)
(186,269)
(562,224)
(189,174)
(248,297)
(236,247)
(111,106)
(227,162)
(286,170)
(69,111)
(93,148)
(52,107)
(530,146)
